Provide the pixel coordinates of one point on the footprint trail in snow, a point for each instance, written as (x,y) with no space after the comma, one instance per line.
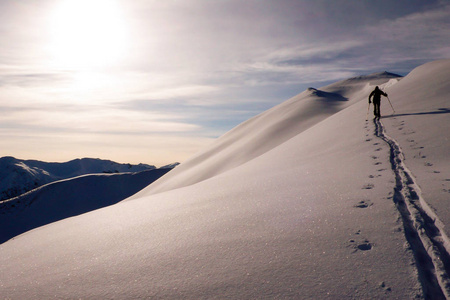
(423,229)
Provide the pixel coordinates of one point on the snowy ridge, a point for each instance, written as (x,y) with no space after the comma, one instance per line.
(423,229)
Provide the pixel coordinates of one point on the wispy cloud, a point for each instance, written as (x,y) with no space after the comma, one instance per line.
(420,36)
(25,80)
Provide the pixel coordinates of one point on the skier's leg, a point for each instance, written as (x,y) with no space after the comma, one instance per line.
(377,108)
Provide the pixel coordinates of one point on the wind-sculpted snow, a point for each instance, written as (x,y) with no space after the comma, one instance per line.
(288,205)
(326,96)
(68,198)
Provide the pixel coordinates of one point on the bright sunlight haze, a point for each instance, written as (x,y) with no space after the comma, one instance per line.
(87,34)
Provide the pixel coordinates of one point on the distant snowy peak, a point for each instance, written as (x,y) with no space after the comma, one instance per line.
(359,87)
(18,176)
(378,75)
(82,166)
(386,74)
(363,80)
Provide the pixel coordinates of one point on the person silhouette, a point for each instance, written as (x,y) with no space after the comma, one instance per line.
(376,94)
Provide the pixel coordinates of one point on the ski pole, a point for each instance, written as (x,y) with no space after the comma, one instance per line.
(367,115)
(391,104)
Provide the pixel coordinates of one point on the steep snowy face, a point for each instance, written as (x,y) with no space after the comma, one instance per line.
(269,129)
(16,177)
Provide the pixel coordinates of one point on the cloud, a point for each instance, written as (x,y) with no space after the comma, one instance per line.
(26,80)
(398,44)
(313,62)
(228,44)
(422,35)
(182,91)
(68,118)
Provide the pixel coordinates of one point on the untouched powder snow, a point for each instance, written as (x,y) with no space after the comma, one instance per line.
(286,205)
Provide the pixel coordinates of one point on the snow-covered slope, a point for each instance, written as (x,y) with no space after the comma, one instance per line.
(270,129)
(67,198)
(422,126)
(18,176)
(317,213)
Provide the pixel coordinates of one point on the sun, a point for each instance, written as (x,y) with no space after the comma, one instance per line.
(87,34)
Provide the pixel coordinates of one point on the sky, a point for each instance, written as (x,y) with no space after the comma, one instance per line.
(149,81)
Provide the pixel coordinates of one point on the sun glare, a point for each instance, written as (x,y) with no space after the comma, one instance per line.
(87,34)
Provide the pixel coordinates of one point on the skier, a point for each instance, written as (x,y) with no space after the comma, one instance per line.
(376,93)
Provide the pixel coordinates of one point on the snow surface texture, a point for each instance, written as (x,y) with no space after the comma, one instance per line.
(68,198)
(18,176)
(305,201)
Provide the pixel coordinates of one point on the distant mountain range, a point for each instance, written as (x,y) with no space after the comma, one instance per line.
(70,197)
(19,176)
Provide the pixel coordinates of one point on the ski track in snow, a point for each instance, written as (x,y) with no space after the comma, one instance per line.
(423,229)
